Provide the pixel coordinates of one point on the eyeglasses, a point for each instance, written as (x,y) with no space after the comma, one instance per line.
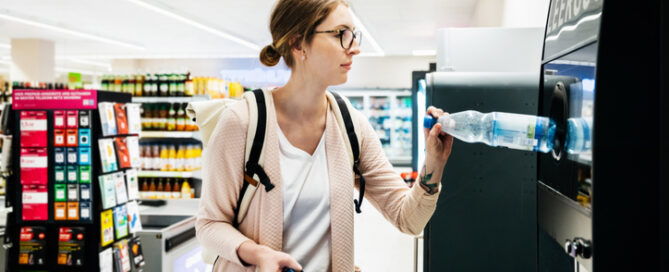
(346,37)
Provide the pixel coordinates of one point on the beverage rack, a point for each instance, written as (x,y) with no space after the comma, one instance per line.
(58,244)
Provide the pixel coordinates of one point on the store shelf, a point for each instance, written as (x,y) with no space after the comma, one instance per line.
(170,134)
(169,174)
(169,99)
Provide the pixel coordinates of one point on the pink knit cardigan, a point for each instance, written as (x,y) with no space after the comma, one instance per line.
(408,209)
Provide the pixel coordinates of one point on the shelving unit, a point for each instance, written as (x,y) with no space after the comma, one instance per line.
(169,174)
(170,134)
(169,99)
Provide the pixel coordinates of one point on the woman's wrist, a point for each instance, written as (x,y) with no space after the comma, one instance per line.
(251,253)
(430,176)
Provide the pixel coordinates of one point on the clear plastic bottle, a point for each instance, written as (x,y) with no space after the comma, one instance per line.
(579,135)
(517,131)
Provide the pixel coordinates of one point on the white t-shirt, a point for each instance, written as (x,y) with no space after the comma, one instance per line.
(306,205)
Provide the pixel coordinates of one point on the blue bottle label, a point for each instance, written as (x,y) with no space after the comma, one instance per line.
(517,131)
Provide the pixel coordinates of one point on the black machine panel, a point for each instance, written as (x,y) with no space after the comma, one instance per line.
(602,202)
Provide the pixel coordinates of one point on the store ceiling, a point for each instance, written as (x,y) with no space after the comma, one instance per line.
(399,27)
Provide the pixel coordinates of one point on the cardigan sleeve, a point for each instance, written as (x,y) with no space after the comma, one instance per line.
(409,209)
(223,170)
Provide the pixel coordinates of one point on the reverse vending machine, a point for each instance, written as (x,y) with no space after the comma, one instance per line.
(602,191)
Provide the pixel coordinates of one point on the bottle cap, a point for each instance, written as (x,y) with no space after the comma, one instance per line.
(429,121)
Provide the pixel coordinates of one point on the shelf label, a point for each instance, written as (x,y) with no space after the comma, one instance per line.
(54,99)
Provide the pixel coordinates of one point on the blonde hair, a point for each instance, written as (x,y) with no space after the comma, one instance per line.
(293,22)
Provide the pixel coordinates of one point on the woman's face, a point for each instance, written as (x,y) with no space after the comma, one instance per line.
(326,59)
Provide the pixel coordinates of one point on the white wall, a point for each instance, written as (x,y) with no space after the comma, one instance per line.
(525,13)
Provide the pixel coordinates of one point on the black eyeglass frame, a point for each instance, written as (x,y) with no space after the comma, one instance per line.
(340,33)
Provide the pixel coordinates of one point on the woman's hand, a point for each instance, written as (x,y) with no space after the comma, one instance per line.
(265,258)
(437,143)
(438,148)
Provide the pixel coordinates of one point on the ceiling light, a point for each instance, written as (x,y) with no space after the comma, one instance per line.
(4,45)
(366,35)
(4,15)
(424,52)
(164,56)
(196,24)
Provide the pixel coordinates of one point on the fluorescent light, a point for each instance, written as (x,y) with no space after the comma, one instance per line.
(424,52)
(4,45)
(5,16)
(366,35)
(196,24)
(164,56)
(85,72)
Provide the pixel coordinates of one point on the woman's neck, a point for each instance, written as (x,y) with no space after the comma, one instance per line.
(301,99)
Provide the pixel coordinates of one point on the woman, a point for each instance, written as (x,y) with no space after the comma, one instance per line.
(306,221)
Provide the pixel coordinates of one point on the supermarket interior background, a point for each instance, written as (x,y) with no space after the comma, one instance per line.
(118,181)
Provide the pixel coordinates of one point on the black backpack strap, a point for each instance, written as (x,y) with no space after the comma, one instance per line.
(252,166)
(355,148)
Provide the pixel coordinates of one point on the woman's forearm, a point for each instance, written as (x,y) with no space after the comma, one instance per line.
(250,253)
(430,176)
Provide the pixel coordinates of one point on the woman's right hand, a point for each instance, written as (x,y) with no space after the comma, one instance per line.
(265,258)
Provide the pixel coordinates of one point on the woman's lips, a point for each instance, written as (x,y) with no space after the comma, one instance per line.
(347,66)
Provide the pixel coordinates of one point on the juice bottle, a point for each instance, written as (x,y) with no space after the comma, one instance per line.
(176,190)
(172,158)
(145,188)
(164,85)
(172,118)
(188,161)
(181,117)
(152,190)
(164,158)
(160,189)
(163,112)
(197,155)
(131,85)
(181,85)
(139,85)
(185,189)
(181,158)
(148,84)
(167,192)
(189,88)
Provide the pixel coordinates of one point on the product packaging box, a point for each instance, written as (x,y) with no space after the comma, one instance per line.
(59,137)
(35,199)
(85,211)
(134,222)
(72,210)
(60,192)
(121,119)
(121,221)
(72,121)
(72,155)
(60,210)
(136,255)
(85,192)
(59,119)
(106,260)
(33,128)
(84,137)
(107,191)
(72,192)
(121,256)
(107,155)
(84,174)
(59,173)
(122,153)
(72,174)
(34,163)
(72,138)
(59,156)
(133,184)
(71,246)
(107,119)
(32,246)
(132,142)
(85,156)
(119,187)
(134,118)
(107,227)
(84,119)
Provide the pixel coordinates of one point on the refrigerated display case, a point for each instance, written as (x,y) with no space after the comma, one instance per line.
(390,114)
(603,205)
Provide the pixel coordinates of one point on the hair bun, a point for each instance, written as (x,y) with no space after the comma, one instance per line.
(269,56)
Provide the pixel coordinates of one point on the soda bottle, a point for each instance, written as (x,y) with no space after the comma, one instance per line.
(517,131)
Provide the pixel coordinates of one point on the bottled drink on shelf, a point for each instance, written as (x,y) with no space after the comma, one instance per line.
(181,117)
(176,190)
(172,118)
(517,131)
(185,190)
